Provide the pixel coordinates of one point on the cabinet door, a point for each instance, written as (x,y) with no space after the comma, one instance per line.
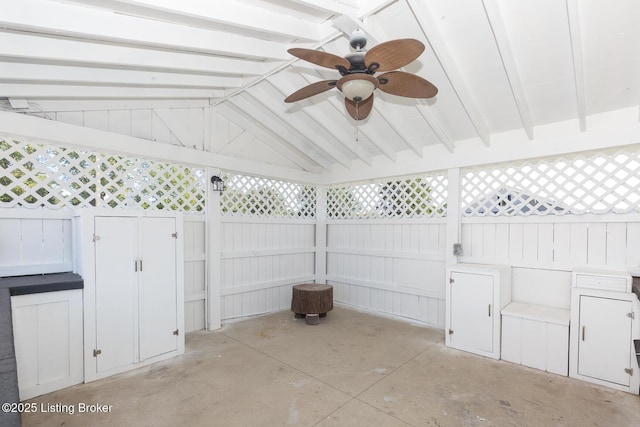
(472,311)
(116,292)
(604,346)
(158,287)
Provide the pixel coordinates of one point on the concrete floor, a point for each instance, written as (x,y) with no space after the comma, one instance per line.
(353,369)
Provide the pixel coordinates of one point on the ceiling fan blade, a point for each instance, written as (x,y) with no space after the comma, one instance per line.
(406,84)
(312,89)
(394,54)
(361,110)
(320,58)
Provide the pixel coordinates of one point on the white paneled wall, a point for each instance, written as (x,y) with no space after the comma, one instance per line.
(34,242)
(544,250)
(194,272)
(393,267)
(261,259)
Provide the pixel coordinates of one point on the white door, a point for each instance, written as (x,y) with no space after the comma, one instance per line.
(471,312)
(116,292)
(158,287)
(604,346)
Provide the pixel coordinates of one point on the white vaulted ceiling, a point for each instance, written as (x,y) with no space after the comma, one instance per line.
(506,70)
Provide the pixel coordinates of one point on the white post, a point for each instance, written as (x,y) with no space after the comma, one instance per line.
(454,215)
(214,249)
(321,234)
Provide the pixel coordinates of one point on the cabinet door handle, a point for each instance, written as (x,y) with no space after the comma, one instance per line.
(583,333)
(489,310)
(135,265)
(140,264)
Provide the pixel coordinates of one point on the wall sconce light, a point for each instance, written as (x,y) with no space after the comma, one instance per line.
(218,183)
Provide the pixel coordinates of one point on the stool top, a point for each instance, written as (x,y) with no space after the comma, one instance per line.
(312,287)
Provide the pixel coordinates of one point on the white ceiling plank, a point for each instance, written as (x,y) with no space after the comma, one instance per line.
(101,92)
(49,131)
(492,10)
(573,14)
(267,137)
(435,125)
(430,30)
(330,6)
(221,12)
(270,120)
(265,95)
(61,19)
(44,49)
(19,72)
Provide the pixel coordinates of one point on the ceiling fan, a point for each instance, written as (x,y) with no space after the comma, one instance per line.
(358,69)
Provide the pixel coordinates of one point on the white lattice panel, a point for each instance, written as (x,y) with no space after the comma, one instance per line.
(424,196)
(595,183)
(267,198)
(35,175)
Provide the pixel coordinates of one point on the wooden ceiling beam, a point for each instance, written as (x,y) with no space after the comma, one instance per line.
(573,15)
(28,47)
(496,22)
(430,30)
(44,91)
(70,20)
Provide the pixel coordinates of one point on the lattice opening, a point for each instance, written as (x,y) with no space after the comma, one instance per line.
(36,175)
(422,196)
(260,197)
(594,183)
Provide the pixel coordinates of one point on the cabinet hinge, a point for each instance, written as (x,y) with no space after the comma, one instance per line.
(451,280)
(629,371)
(96,237)
(96,353)
(176,332)
(450,331)
(174,235)
(631,315)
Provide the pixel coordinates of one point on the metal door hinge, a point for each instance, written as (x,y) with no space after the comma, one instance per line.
(174,235)
(631,315)
(96,353)
(629,371)
(450,331)
(451,280)
(96,237)
(176,332)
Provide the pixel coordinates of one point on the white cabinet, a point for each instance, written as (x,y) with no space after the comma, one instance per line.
(475,295)
(47,330)
(134,301)
(604,325)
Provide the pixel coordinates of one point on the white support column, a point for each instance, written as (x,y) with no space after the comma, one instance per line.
(454,215)
(321,234)
(214,249)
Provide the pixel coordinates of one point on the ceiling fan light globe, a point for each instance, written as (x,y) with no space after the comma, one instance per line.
(358,90)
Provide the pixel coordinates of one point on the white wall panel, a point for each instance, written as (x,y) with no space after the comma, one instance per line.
(194,272)
(391,267)
(544,250)
(261,260)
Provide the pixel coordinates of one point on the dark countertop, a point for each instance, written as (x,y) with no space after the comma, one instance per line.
(22,285)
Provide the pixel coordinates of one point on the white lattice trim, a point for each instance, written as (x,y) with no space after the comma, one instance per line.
(36,175)
(248,196)
(407,197)
(595,182)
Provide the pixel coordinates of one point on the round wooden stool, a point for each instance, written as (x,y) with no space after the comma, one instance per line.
(312,298)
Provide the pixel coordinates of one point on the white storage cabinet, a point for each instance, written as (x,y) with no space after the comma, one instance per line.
(604,323)
(47,331)
(536,336)
(475,296)
(132,264)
